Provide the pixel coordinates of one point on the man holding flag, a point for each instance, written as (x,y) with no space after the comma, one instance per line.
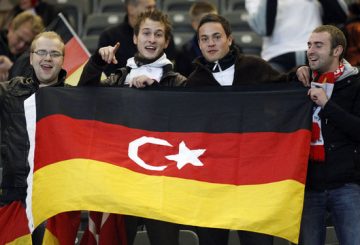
(333,180)
(46,59)
(223,65)
(149,67)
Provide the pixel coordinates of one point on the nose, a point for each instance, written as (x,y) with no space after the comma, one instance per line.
(152,38)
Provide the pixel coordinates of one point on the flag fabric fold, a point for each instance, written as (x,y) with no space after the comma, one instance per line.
(176,156)
(14,224)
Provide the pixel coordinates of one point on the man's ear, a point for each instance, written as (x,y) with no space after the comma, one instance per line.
(135,39)
(231,39)
(338,50)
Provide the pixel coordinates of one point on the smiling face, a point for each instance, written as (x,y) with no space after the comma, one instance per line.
(151,40)
(47,67)
(213,42)
(322,57)
(20,39)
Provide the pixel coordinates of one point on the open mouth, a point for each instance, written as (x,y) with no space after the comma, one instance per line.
(46,67)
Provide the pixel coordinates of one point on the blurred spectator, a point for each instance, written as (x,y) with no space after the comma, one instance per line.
(352,33)
(15,40)
(5,8)
(124,34)
(190,50)
(286,26)
(45,10)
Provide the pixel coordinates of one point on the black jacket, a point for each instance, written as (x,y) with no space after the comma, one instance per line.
(124,33)
(14,137)
(248,69)
(4,46)
(340,127)
(91,75)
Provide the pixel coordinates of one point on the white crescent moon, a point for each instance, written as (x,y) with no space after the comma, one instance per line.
(134,147)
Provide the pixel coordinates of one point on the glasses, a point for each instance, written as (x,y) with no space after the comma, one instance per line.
(44,53)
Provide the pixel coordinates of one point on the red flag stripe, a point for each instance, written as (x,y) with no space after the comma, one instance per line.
(227,156)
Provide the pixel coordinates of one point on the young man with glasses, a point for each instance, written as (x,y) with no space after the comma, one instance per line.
(46,58)
(15,40)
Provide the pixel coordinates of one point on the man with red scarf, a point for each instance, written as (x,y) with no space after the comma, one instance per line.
(333,181)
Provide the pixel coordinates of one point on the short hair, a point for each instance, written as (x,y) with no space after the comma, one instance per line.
(49,35)
(199,8)
(216,19)
(337,37)
(155,15)
(37,24)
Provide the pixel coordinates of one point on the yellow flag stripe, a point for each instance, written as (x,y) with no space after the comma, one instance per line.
(82,184)
(50,239)
(21,240)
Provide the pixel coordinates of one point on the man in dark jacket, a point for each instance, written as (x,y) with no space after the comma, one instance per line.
(223,65)
(123,33)
(333,179)
(46,58)
(149,67)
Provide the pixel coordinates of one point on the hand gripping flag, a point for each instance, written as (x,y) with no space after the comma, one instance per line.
(225,159)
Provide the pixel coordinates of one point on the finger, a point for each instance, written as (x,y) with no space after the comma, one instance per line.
(116,47)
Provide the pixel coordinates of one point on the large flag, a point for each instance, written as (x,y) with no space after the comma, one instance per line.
(225,159)
(14,224)
(76,54)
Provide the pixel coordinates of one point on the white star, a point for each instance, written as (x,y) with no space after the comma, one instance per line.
(187,156)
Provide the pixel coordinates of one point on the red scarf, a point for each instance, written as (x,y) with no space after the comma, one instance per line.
(325,81)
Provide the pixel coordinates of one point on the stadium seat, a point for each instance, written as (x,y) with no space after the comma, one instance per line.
(235,5)
(181,37)
(331,238)
(74,11)
(96,23)
(91,42)
(111,6)
(180,21)
(180,5)
(186,237)
(238,20)
(249,41)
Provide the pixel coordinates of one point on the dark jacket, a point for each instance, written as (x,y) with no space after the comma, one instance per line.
(188,53)
(4,46)
(14,137)
(248,70)
(124,33)
(91,75)
(340,127)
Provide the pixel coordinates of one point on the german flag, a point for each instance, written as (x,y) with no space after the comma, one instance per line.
(14,224)
(76,54)
(232,159)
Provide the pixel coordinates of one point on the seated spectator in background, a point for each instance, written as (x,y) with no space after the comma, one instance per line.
(286,25)
(333,176)
(149,67)
(223,65)
(46,58)
(190,50)
(352,33)
(45,10)
(123,33)
(15,40)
